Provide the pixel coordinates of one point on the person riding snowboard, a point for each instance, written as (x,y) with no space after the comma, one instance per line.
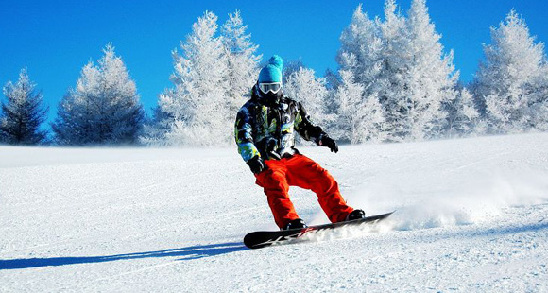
(265,135)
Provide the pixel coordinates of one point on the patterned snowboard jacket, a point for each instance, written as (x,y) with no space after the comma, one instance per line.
(269,132)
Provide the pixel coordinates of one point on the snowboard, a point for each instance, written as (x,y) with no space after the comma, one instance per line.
(261,239)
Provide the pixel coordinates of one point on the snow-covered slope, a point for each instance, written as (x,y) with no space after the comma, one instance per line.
(471,216)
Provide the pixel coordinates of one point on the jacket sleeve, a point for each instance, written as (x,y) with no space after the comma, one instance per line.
(244,136)
(306,128)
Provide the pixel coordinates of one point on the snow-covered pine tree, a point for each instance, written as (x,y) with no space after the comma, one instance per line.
(197,106)
(292,66)
(431,77)
(305,87)
(3,123)
(391,84)
(401,62)
(155,128)
(462,116)
(359,118)
(506,82)
(361,48)
(23,114)
(417,77)
(104,109)
(243,63)
(332,81)
(355,93)
(539,107)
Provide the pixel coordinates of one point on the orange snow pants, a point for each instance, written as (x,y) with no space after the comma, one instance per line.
(301,171)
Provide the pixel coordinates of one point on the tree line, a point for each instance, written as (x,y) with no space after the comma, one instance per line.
(394,83)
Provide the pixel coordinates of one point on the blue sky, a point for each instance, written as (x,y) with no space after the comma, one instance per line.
(54,39)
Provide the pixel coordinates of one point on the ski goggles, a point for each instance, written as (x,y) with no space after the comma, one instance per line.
(273,87)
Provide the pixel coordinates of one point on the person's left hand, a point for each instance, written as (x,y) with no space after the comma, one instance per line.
(256,165)
(329,142)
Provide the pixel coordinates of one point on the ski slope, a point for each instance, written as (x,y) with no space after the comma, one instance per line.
(472,216)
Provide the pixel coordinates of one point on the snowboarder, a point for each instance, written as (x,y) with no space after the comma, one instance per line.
(265,134)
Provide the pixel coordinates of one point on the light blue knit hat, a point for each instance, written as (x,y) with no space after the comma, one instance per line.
(272,72)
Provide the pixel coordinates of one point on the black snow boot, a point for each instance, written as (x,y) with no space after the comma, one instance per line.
(355,214)
(295,224)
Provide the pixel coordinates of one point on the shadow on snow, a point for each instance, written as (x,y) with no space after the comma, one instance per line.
(200,251)
(188,253)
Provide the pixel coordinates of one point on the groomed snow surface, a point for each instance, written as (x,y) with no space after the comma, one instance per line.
(472,216)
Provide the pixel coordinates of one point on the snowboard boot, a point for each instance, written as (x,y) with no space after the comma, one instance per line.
(295,224)
(355,214)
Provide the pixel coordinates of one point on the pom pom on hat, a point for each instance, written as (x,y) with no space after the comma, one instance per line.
(272,72)
(277,61)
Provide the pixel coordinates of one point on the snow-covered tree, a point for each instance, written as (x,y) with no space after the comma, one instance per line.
(332,81)
(305,87)
(508,81)
(431,77)
(243,63)
(103,109)
(196,108)
(462,116)
(356,90)
(3,122)
(361,48)
(417,76)
(291,67)
(155,127)
(391,85)
(400,61)
(539,108)
(23,114)
(360,117)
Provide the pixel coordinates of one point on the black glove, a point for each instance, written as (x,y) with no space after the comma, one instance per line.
(327,141)
(256,165)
